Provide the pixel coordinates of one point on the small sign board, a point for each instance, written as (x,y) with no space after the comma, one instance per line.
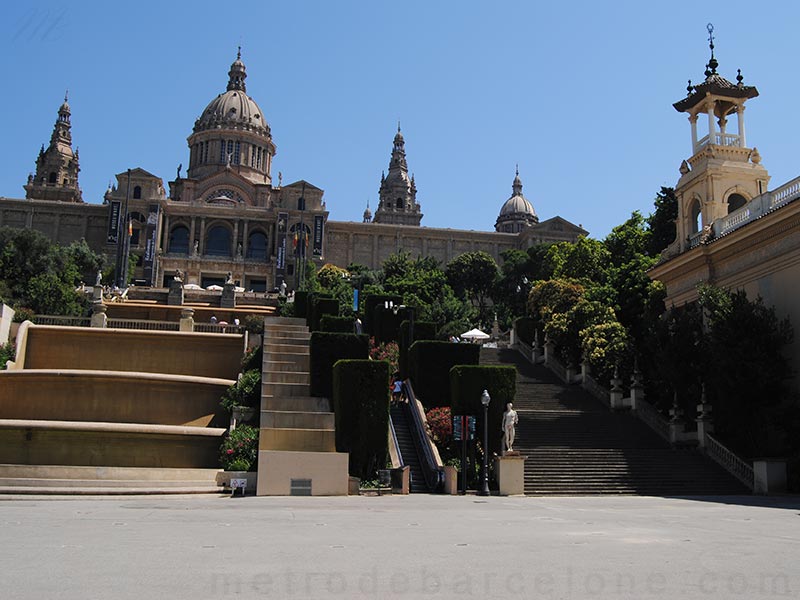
(239,485)
(462,423)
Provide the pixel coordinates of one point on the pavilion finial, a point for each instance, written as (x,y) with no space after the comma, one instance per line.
(711,68)
(239,53)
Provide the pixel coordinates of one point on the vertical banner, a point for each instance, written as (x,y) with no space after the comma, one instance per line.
(112,234)
(318,225)
(280,250)
(150,240)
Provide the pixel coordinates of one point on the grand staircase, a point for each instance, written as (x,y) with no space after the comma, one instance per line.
(408,449)
(575,445)
(297,446)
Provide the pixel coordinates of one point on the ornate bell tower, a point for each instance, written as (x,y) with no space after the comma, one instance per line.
(398,194)
(57,167)
(722,174)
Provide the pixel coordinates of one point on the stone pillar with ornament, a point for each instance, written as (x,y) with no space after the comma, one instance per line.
(187,319)
(615,395)
(637,387)
(705,424)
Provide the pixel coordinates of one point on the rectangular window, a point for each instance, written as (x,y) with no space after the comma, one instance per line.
(236,152)
(222,151)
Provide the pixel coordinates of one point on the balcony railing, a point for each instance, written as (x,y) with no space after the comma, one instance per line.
(757,207)
(727,139)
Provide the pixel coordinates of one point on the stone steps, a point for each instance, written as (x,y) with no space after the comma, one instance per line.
(575,445)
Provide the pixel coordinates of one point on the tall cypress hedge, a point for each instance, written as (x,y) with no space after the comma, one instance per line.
(430,363)
(301,304)
(368,308)
(423,330)
(333,324)
(361,406)
(526,329)
(466,386)
(322,306)
(326,349)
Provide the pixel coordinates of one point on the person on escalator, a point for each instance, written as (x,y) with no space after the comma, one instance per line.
(397,390)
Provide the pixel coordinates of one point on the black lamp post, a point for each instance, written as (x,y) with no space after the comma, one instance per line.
(485,400)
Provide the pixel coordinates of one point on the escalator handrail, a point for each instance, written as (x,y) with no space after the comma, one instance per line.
(432,468)
(395,442)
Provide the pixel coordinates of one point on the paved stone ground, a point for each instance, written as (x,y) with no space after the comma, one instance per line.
(399,547)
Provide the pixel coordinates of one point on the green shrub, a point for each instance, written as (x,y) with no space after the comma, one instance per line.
(466,386)
(7,352)
(254,324)
(300,304)
(430,363)
(239,450)
(423,330)
(23,314)
(526,329)
(361,406)
(368,308)
(319,308)
(333,324)
(253,358)
(326,349)
(245,392)
(386,324)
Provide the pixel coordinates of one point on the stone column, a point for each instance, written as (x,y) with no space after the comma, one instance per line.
(675,418)
(585,370)
(693,121)
(99,318)
(616,391)
(187,319)
(704,423)
(637,388)
(549,350)
(711,132)
(740,118)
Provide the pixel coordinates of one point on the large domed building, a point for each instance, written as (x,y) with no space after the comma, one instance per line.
(226,215)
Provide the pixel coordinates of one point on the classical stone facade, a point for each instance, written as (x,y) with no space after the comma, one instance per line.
(731,231)
(226,215)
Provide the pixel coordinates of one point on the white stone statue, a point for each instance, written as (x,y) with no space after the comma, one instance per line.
(510,420)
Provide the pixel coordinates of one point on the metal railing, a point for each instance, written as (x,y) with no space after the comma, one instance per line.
(143,325)
(432,469)
(62,321)
(217,328)
(729,461)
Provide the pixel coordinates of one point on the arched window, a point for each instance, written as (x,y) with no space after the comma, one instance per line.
(697,217)
(218,241)
(301,203)
(399,203)
(735,202)
(53,178)
(137,192)
(257,245)
(179,240)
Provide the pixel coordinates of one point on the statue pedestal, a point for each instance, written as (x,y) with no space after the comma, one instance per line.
(510,471)
(175,296)
(228,299)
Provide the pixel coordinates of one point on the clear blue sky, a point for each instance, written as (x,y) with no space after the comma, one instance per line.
(578,93)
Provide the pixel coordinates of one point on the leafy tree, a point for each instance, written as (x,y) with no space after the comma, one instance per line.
(586,259)
(661,222)
(553,297)
(331,277)
(746,372)
(40,275)
(473,275)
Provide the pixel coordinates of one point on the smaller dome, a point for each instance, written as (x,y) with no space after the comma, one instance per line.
(517,205)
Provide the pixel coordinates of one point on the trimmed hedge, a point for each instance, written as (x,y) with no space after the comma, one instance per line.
(526,329)
(386,324)
(466,386)
(322,306)
(361,407)
(430,363)
(368,308)
(301,304)
(423,330)
(326,349)
(333,324)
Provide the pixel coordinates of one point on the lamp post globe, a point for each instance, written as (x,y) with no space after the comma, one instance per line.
(485,400)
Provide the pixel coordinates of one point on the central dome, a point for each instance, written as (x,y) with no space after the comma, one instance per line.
(233,109)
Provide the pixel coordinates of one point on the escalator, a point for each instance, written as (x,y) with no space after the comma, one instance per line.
(407,449)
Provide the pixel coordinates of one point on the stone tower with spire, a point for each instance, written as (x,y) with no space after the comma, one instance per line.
(57,167)
(397,204)
(723,173)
